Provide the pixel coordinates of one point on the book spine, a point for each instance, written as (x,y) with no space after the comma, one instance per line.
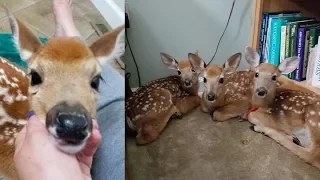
(288,32)
(283,43)
(262,32)
(267,42)
(274,44)
(316,69)
(293,37)
(306,55)
(300,53)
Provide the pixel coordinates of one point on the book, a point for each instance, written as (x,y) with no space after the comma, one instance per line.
(306,54)
(314,34)
(274,42)
(266,36)
(283,43)
(315,80)
(300,52)
(278,37)
(293,37)
(262,31)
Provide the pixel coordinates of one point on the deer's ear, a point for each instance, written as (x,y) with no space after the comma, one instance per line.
(252,57)
(232,64)
(170,61)
(196,62)
(196,53)
(288,65)
(110,46)
(26,42)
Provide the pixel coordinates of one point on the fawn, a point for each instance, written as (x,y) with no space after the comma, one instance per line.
(61,86)
(226,92)
(152,105)
(290,117)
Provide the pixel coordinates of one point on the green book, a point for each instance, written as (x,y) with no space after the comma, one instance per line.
(313,39)
(305,55)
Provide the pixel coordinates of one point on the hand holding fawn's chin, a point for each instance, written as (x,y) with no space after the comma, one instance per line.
(32,159)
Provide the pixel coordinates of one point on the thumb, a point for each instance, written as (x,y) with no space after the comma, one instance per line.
(34,124)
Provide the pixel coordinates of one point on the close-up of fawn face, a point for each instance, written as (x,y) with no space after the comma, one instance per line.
(265,78)
(64,76)
(214,75)
(189,75)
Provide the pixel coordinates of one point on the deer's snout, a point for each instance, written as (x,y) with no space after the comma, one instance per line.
(70,124)
(261,91)
(71,127)
(211,97)
(188,82)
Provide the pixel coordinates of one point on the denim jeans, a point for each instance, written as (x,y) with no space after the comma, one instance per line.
(108,162)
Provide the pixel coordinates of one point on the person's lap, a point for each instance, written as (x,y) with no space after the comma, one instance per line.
(108,162)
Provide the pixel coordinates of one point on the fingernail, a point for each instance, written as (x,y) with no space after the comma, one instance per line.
(30,114)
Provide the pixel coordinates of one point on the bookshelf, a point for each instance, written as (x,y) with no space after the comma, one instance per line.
(306,7)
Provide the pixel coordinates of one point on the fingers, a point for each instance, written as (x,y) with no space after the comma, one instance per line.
(93,141)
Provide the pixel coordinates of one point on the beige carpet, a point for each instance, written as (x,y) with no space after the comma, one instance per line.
(196,148)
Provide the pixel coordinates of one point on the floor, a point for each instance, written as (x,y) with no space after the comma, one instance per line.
(38,16)
(195,147)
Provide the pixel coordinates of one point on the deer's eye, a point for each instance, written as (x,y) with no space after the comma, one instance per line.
(221,80)
(193,70)
(35,78)
(95,82)
(179,72)
(256,75)
(204,79)
(274,78)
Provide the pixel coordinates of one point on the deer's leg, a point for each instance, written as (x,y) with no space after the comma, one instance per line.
(259,118)
(310,155)
(230,111)
(203,107)
(185,104)
(152,127)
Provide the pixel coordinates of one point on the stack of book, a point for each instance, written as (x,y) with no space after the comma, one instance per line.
(287,34)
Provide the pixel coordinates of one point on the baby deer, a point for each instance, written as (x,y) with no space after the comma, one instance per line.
(290,117)
(60,85)
(226,92)
(152,105)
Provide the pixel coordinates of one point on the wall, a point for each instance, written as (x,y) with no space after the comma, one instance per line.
(178,27)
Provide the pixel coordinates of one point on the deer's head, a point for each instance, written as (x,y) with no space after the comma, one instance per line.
(213,77)
(188,73)
(265,78)
(64,76)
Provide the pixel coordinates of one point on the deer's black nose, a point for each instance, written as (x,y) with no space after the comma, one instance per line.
(72,126)
(187,82)
(211,97)
(261,91)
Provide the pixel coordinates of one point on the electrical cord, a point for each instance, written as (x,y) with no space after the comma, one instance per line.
(223,32)
(134,59)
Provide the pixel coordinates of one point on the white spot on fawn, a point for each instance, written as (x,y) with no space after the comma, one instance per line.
(312,112)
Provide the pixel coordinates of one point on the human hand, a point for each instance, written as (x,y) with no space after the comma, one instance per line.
(37,158)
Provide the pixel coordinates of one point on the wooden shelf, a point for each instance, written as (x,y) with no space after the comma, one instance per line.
(306,7)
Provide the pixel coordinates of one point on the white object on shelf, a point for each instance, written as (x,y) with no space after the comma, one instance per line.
(316,67)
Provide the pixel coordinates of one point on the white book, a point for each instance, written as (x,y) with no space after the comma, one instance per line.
(283,43)
(316,68)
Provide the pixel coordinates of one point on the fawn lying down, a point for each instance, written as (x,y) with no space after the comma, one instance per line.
(60,85)
(290,117)
(151,106)
(227,92)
